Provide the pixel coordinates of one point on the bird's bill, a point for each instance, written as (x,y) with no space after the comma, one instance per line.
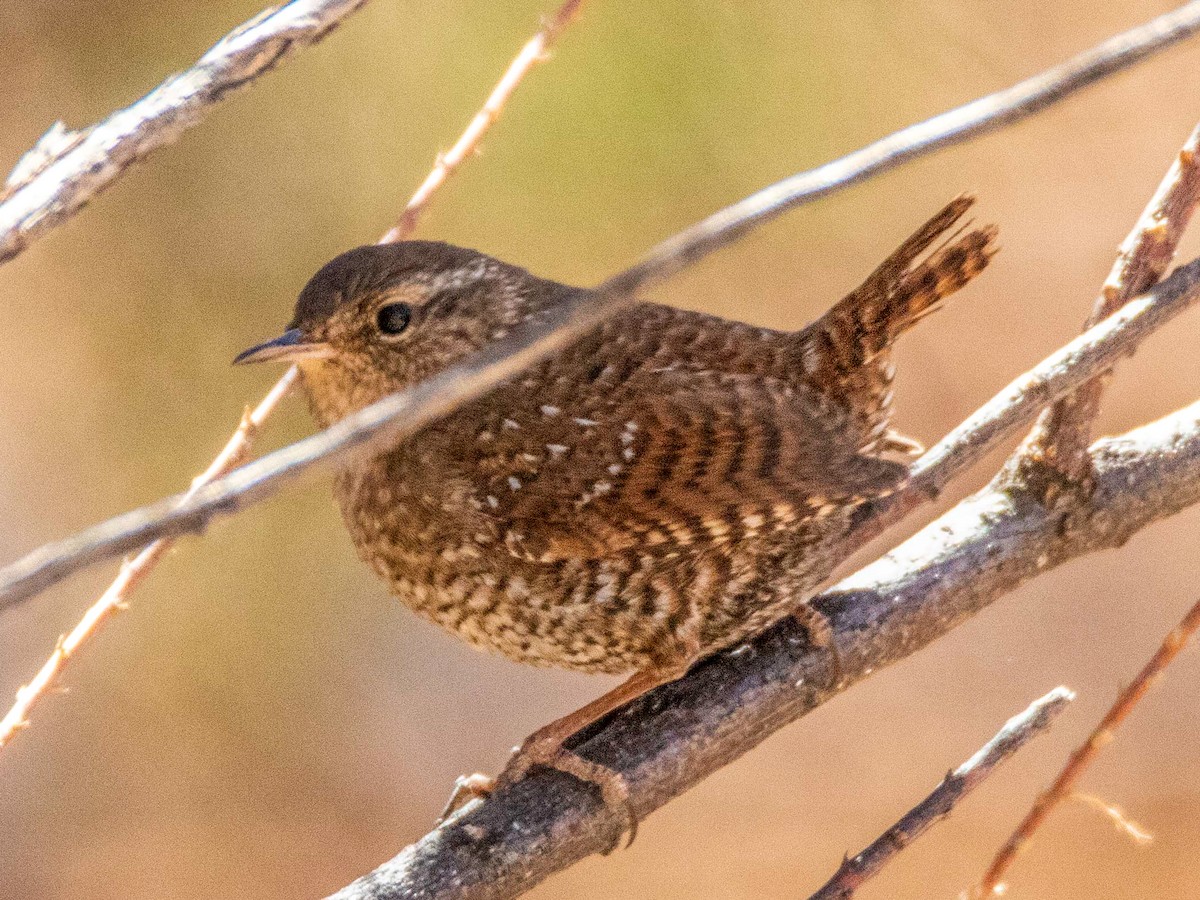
(288,347)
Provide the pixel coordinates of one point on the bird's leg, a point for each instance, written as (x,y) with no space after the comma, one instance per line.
(819,630)
(545,748)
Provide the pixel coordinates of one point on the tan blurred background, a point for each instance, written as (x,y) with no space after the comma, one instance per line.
(266,721)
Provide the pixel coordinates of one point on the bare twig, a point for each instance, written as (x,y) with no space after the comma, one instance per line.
(1083,757)
(1058,444)
(972,120)
(134,571)
(1017,731)
(66,169)
(394,418)
(680,733)
(447,163)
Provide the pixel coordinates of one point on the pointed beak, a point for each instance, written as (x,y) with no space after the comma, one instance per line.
(289,346)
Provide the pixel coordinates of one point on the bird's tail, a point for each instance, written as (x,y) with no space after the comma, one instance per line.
(846,352)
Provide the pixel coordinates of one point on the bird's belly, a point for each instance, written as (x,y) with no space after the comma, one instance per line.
(569,616)
(613,615)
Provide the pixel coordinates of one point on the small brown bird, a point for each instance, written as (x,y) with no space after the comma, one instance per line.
(660,490)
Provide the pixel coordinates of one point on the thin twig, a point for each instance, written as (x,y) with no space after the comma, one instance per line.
(1059,441)
(134,571)
(66,169)
(400,415)
(1083,757)
(384,423)
(1017,731)
(534,52)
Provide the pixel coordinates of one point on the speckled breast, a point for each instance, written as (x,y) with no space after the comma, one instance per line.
(634,610)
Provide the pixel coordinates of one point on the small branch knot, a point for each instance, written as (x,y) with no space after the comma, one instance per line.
(1060,484)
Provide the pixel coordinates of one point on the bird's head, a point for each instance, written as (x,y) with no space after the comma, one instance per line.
(380,318)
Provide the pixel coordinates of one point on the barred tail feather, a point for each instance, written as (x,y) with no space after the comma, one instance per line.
(846,352)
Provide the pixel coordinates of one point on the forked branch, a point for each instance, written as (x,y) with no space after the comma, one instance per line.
(1052,463)
(1015,734)
(1055,453)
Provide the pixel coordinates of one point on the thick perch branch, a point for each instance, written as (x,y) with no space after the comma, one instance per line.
(1015,734)
(394,418)
(678,734)
(66,169)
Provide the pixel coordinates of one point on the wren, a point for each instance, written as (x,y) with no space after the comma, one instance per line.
(665,487)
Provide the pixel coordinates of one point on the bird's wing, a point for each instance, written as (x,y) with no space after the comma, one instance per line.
(693,459)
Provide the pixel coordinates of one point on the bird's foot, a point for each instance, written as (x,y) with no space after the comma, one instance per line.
(819,631)
(545,748)
(547,751)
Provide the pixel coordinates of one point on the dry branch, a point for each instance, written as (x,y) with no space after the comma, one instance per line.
(1017,732)
(135,571)
(66,169)
(669,740)
(385,423)
(678,734)
(1055,453)
(534,52)
(1085,755)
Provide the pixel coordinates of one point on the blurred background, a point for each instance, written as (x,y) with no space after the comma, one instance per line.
(266,721)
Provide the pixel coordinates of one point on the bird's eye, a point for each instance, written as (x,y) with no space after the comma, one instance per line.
(393,318)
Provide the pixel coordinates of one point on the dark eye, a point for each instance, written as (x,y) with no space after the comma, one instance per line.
(393,318)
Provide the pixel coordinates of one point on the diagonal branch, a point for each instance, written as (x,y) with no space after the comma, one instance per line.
(1055,453)
(534,52)
(671,739)
(66,169)
(1015,734)
(401,415)
(135,571)
(394,418)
